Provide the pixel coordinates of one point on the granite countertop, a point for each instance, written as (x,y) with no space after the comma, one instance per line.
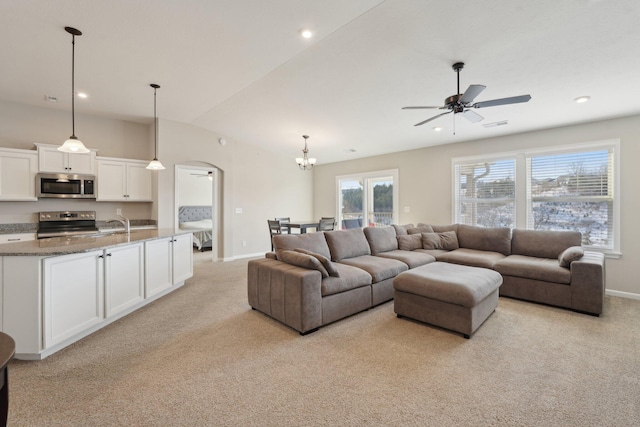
(78,244)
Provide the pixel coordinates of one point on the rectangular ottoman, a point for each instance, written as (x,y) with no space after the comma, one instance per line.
(451,296)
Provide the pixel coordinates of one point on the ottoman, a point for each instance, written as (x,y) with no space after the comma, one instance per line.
(451,296)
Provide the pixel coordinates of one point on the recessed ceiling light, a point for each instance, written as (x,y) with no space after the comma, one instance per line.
(437,129)
(307,34)
(81,95)
(350,150)
(582,99)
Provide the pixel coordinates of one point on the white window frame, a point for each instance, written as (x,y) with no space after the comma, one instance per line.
(364,176)
(523,205)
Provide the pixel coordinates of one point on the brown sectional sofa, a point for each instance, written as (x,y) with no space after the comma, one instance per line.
(314,279)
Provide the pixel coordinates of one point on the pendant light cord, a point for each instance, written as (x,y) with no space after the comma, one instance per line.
(73,89)
(155,125)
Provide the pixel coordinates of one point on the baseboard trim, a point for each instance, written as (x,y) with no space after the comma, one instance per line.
(233,258)
(621,294)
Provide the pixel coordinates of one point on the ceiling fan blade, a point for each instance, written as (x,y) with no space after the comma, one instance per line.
(502,101)
(471,93)
(417,108)
(432,118)
(472,116)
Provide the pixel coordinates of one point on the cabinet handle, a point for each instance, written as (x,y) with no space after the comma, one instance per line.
(108,254)
(14,240)
(100,256)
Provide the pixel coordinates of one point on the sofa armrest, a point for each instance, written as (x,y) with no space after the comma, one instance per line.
(286,292)
(588,283)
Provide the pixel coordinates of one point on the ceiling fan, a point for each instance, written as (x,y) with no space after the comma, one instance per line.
(463,102)
(203,175)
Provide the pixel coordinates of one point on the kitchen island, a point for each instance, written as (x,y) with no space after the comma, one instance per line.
(56,291)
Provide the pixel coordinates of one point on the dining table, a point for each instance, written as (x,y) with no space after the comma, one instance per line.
(301,225)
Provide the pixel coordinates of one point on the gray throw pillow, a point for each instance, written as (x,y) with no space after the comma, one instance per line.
(303,260)
(569,255)
(410,242)
(420,229)
(447,240)
(326,262)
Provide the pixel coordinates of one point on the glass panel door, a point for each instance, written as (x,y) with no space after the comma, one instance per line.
(380,201)
(368,200)
(351,198)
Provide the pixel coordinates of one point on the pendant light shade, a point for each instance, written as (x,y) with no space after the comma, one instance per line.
(155,163)
(73,144)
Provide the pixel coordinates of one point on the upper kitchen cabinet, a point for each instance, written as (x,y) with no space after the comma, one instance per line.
(124,180)
(52,160)
(18,169)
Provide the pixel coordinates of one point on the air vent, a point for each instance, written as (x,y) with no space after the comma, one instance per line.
(50,98)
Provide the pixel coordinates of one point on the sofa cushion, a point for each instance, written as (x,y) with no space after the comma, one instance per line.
(401,230)
(326,262)
(420,229)
(543,243)
(303,260)
(410,242)
(432,252)
(314,242)
(443,228)
(545,269)
(412,259)
(381,239)
(346,243)
(569,255)
(485,239)
(446,240)
(378,267)
(471,257)
(349,278)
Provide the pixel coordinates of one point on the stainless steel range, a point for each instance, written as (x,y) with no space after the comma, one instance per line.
(68,223)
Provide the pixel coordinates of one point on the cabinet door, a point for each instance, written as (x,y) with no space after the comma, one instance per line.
(82,163)
(111,180)
(17,175)
(182,257)
(73,295)
(124,277)
(50,159)
(139,184)
(158,261)
(18,237)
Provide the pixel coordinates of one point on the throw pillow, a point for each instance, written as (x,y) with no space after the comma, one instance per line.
(410,242)
(303,260)
(446,240)
(569,255)
(449,240)
(326,262)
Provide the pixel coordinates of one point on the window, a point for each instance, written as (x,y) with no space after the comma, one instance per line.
(565,188)
(369,199)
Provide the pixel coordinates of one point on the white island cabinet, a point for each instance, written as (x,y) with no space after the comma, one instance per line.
(52,300)
(167,262)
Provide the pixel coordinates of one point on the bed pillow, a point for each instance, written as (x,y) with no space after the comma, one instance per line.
(303,260)
(569,255)
(410,242)
(326,262)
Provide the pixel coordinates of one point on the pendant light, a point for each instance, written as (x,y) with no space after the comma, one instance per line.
(155,163)
(305,162)
(73,144)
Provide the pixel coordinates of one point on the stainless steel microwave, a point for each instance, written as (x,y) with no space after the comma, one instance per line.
(66,186)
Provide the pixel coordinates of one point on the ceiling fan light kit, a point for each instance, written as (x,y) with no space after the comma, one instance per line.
(73,144)
(155,163)
(462,103)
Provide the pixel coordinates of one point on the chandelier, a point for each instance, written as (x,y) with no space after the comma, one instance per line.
(305,162)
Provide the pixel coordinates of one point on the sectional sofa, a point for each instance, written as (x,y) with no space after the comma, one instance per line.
(313,279)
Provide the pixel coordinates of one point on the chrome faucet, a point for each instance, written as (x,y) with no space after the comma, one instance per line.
(124,221)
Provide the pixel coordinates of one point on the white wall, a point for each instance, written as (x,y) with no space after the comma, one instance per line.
(425,181)
(261,183)
(193,188)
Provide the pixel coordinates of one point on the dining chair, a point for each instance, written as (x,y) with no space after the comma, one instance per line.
(283,223)
(351,223)
(327,224)
(274,229)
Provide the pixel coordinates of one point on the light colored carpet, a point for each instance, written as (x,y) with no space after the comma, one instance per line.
(201,357)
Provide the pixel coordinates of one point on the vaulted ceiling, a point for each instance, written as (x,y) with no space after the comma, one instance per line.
(241,68)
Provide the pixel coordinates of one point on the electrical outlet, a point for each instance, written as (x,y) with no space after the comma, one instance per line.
(118,211)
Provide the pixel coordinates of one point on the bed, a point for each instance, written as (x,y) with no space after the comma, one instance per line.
(197,219)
